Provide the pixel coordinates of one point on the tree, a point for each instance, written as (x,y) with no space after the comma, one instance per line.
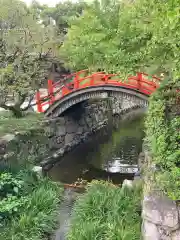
(125,36)
(25,56)
(57,20)
(91,39)
(60,15)
(64,12)
(11,12)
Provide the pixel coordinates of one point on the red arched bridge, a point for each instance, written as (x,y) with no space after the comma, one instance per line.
(81,86)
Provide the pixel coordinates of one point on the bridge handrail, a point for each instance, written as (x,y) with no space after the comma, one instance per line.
(142,81)
(137,82)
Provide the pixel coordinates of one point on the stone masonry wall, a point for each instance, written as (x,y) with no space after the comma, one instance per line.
(67,131)
(123,102)
(160,215)
(24,148)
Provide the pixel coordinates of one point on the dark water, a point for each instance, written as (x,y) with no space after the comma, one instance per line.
(107,156)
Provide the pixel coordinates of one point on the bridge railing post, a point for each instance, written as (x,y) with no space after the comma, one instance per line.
(139,80)
(92,80)
(51,91)
(76,81)
(106,78)
(38,102)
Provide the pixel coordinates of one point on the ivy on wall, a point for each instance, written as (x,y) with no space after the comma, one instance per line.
(163,135)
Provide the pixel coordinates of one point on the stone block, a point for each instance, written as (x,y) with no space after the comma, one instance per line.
(60,139)
(59,153)
(79,130)
(149,231)
(50,131)
(89,122)
(127,183)
(54,143)
(61,130)
(97,118)
(38,170)
(71,128)
(7,138)
(69,138)
(160,210)
(82,122)
(76,139)
(85,128)
(61,121)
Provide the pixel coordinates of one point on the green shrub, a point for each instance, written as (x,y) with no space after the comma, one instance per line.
(11,200)
(11,206)
(9,185)
(163,136)
(106,212)
(39,215)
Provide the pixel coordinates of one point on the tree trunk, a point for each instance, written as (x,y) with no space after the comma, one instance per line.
(17,112)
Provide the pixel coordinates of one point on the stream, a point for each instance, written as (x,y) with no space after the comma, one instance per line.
(108,155)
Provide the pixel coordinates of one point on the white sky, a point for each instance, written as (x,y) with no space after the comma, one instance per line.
(48,2)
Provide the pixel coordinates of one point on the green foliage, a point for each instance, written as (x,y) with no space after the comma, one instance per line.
(11,202)
(106,212)
(162,130)
(61,14)
(11,12)
(11,207)
(33,215)
(122,36)
(66,11)
(94,32)
(9,186)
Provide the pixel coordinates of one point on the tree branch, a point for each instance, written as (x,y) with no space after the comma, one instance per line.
(21,99)
(29,104)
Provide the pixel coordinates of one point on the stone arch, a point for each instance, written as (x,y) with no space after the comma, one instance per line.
(126,97)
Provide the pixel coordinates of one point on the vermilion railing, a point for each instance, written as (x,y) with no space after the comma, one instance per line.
(81,80)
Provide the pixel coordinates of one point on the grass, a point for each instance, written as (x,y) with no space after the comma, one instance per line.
(39,216)
(106,212)
(9,124)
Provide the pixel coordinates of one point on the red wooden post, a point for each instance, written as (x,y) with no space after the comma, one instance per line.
(139,80)
(63,91)
(92,80)
(51,91)
(38,102)
(106,78)
(76,81)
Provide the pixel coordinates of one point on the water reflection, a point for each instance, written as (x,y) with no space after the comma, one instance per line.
(119,165)
(111,156)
